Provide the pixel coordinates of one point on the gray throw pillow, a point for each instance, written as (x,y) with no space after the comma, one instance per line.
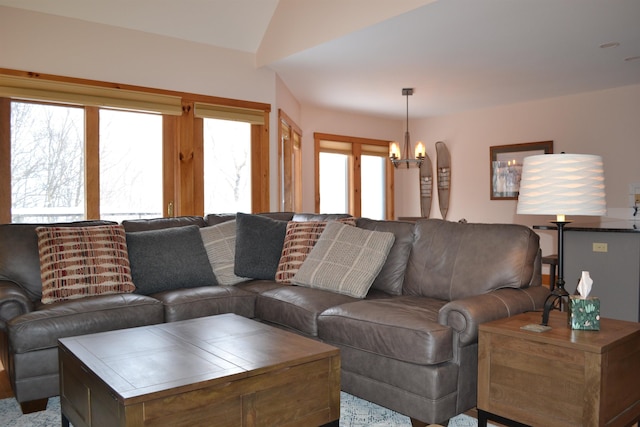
(259,242)
(345,260)
(169,258)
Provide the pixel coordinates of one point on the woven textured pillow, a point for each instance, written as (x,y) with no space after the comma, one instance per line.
(220,243)
(167,259)
(345,260)
(300,238)
(77,262)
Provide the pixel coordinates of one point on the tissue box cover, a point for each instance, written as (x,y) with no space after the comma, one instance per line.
(585,313)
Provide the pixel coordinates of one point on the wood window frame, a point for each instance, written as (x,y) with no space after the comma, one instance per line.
(355,186)
(183,163)
(289,164)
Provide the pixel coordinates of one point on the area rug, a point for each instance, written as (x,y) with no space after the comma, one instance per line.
(354,412)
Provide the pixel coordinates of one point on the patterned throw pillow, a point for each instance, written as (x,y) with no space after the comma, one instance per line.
(77,262)
(220,243)
(345,260)
(300,238)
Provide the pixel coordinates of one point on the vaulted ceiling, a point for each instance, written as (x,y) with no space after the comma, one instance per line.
(357,55)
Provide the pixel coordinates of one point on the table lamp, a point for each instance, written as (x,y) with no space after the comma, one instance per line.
(561,184)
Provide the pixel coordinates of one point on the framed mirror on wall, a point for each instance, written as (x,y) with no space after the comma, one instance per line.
(505,166)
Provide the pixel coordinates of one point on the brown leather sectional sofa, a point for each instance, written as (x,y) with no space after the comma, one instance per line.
(411,345)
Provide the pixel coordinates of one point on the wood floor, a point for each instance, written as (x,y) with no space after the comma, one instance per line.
(5,385)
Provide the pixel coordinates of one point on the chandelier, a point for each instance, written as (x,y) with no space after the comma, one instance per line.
(396,156)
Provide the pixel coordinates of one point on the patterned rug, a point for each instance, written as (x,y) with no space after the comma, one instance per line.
(354,412)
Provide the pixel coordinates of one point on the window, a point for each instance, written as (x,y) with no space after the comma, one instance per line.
(374,189)
(130,165)
(47,162)
(102,150)
(227,166)
(290,161)
(334,182)
(353,175)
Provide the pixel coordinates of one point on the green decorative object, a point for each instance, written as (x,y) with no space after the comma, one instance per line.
(585,313)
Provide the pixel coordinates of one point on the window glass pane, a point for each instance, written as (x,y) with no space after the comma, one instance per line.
(130,165)
(47,163)
(373,186)
(334,183)
(227,166)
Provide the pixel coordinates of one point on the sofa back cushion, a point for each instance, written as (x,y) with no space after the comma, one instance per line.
(305,217)
(391,277)
(158,223)
(19,258)
(451,260)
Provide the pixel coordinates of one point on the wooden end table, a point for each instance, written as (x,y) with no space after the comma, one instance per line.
(221,370)
(561,377)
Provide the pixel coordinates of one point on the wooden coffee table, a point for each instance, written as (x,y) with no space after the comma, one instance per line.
(221,370)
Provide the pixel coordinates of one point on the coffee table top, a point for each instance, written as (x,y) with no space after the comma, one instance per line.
(165,358)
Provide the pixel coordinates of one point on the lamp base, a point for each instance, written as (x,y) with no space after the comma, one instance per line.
(558,293)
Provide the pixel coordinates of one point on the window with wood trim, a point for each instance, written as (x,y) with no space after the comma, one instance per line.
(353,175)
(125,133)
(290,164)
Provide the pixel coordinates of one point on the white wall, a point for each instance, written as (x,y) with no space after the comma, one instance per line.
(70,47)
(605,123)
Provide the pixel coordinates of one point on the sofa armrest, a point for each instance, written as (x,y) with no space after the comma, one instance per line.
(465,315)
(13,302)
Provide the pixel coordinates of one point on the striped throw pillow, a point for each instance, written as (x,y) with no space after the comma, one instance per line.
(77,262)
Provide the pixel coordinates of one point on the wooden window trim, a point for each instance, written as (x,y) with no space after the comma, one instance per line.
(183,164)
(354,170)
(289,164)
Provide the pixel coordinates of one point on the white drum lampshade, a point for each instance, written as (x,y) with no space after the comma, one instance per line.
(562,184)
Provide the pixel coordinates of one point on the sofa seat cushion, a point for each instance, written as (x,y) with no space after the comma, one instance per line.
(296,307)
(259,286)
(42,328)
(182,304)
(403,328)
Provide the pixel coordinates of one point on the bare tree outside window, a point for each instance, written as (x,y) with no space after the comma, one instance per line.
(47,146)
(130,165)
(227,166)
